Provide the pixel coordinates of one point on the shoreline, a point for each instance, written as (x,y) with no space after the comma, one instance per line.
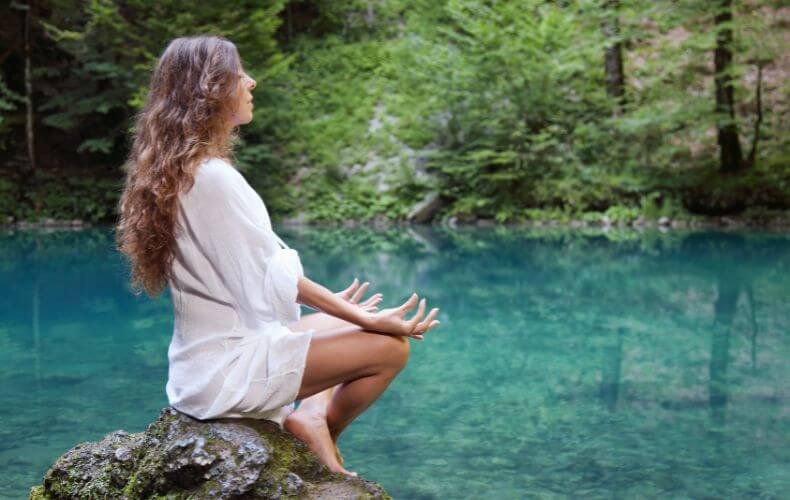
(778,221)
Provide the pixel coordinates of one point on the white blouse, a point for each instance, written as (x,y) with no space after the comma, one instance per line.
(234,293)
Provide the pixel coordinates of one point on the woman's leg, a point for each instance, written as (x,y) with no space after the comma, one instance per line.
(318,404)
(362,363)
(320,322)
(387,350)
(347,369)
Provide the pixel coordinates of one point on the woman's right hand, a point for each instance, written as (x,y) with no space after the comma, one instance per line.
(392,321)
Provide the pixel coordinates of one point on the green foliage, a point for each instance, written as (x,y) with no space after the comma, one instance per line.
(499,107)
(515,91)
(621,214)
(354,200)
(111,49)
(87,199)
(9,102)
(8,202)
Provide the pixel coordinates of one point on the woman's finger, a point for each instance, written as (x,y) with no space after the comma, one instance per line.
(371,301)
(415,320)
(424,325)
(408,305)
(377,296)
(421,335)
(348,291)
(360,292)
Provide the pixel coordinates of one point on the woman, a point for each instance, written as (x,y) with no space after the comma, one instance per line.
(189,220)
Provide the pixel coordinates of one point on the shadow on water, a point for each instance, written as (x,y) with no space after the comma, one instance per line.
(568,363)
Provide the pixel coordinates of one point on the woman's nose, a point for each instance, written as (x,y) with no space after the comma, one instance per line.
(252,84)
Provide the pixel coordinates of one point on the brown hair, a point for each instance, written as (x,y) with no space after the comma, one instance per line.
(185,119)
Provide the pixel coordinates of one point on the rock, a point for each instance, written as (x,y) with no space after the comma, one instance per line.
(605,221)
(664,221)
(298,220)
(180,457)
(729,222)
(426,209)
(380,221)
(123,454)
(486,223)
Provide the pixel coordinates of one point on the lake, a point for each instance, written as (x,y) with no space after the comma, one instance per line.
(585,364)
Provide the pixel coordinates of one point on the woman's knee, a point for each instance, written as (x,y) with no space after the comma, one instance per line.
(394,350)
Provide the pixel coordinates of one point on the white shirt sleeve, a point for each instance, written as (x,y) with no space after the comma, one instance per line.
(231,227)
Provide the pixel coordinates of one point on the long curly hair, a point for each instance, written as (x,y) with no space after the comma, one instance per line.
(186,118)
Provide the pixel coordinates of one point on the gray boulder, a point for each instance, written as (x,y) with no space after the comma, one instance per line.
(426,209)
(181,457)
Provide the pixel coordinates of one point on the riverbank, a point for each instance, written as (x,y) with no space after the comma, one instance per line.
(754,219)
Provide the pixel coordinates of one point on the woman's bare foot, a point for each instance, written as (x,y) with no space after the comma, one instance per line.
(312,430)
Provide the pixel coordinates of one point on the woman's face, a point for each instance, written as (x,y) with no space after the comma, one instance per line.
(243,113)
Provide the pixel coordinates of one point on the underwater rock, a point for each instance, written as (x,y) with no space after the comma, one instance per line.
(179,457)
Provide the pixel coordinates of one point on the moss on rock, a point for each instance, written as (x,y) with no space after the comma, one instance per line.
(181,457)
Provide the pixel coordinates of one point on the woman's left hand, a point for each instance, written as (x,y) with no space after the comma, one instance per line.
(355,292)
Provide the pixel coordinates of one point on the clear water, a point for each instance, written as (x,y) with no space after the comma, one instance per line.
(595,365)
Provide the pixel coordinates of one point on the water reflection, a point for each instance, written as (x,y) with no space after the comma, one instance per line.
(585,364)
(610,373)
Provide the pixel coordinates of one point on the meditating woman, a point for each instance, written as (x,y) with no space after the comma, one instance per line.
(189,220)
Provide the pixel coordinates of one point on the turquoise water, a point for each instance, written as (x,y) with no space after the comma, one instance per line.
(567,364)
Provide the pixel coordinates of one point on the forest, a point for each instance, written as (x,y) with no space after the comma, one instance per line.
(527,111)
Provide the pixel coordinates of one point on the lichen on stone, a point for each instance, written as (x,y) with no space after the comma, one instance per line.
(181,457)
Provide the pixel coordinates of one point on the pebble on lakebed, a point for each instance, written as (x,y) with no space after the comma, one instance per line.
(179,457)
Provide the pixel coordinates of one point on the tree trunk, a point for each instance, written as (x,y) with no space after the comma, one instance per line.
(289,21)
(31,152)
(370,16)
(731,156)
(758,98)
(613,56)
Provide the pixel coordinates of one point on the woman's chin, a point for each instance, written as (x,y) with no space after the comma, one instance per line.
(241,122)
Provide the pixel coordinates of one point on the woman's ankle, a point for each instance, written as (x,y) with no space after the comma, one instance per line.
(310,412)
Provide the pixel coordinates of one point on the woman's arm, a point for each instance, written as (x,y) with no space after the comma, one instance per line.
(321,299)
(389,321)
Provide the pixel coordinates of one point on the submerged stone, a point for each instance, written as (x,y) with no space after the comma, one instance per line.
(181,457)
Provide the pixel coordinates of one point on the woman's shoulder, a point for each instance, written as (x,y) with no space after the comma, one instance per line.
(216,176)
(219,184)
(217,169)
